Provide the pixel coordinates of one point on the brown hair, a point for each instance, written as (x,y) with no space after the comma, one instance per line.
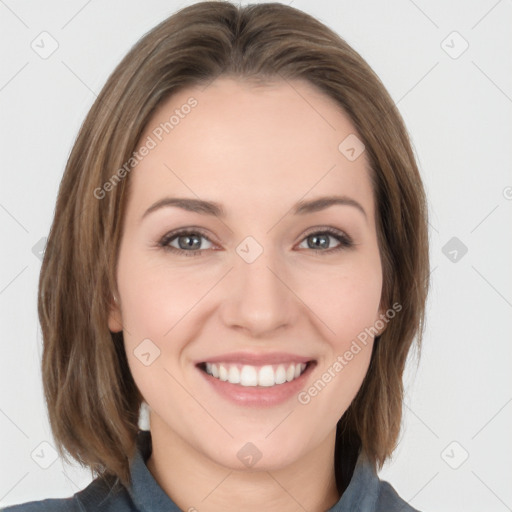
(92,399)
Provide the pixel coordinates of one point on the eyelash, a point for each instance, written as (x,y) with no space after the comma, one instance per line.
(345,241)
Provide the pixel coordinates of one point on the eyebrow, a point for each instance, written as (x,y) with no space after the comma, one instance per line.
(212,208)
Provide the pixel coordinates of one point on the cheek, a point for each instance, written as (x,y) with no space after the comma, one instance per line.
(347,302)
(156,300)
(155,297)
(346,299)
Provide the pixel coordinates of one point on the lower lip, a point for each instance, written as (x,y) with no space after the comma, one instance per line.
(259,396)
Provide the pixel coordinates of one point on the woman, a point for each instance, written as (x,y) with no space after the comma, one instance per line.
(257,140)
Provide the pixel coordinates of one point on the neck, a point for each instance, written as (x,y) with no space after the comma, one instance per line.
(195,482)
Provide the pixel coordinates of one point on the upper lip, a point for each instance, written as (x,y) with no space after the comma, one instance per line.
(256,359)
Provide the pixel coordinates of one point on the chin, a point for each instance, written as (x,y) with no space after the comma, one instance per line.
(257,455)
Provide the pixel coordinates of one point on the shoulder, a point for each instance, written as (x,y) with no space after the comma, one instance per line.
(388,500)
(55,505)
(98,496)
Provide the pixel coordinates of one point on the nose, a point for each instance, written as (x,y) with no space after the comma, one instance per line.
(259,297)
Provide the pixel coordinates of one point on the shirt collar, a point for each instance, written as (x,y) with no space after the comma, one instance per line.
(145,491)
(360,495)
(362,491)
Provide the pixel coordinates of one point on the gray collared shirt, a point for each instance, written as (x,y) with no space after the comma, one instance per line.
(365,492)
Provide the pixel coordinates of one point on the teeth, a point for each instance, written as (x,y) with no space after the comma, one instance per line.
(266,376)
(249,376)
(280,377)
(234,374)
(223,373)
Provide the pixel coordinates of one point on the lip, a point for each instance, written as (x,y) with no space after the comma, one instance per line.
(259,396)
(255,359)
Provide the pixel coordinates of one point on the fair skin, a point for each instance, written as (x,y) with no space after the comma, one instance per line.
(257,151)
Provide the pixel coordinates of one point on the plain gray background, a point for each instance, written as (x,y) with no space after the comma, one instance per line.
(447,65)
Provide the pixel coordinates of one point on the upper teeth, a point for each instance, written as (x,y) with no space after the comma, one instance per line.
(247,375)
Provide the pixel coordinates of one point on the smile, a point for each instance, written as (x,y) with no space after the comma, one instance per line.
(254,376)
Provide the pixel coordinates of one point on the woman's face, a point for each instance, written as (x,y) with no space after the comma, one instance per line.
(254,291)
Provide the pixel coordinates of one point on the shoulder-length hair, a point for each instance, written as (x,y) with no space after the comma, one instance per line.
(92,399)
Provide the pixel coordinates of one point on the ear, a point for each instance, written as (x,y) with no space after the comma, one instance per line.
(115,319)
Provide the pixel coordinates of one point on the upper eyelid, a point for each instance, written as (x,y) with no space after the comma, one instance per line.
(181,232)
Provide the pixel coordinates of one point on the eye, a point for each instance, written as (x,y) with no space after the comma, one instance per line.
(188,242)
(319,240)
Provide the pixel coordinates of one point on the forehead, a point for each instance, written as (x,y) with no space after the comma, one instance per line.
(249,145)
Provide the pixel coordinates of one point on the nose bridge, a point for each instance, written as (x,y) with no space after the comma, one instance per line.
(258,298)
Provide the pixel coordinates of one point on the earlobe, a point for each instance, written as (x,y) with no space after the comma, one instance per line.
(115,320)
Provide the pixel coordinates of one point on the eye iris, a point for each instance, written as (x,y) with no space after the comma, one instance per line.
(192,241)
(323,239)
